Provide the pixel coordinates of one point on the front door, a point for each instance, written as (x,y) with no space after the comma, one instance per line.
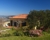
(23,23)
(15,24)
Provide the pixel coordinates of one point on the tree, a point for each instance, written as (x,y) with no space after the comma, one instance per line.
(32,19)
(39,18)
(48,18)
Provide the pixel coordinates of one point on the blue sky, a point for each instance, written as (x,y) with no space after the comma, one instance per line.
(15,7)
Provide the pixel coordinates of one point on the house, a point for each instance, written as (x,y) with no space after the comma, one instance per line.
(18,20)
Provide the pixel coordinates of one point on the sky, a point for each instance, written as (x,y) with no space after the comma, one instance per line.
(15,7)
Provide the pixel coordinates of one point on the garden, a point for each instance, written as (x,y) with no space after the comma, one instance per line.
(38,28)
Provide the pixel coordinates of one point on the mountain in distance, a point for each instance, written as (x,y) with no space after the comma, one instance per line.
(5,18)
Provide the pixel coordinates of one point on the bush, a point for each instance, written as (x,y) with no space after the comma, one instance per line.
(12,28)
(26,33)
(18,33)
(6,35)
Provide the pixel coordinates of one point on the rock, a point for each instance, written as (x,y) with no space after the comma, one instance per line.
(35,32)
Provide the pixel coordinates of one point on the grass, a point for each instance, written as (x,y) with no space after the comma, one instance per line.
(46,37)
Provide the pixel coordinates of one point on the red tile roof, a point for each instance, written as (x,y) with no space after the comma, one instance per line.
(21,16)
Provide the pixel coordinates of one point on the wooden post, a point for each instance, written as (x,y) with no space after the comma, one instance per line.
(13,23)
(20,24)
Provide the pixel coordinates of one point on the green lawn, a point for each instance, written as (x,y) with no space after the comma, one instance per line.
(45,37)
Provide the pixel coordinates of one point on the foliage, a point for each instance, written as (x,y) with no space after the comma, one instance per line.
(18,33)
(26,33)
(45,37)
(6,35)
(32,19)
(39,18)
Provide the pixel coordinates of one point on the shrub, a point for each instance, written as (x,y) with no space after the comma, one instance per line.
(18,33)
(26,33)
(12,28)
(6,35)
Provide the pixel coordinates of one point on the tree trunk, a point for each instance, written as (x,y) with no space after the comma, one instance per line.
(35,27)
